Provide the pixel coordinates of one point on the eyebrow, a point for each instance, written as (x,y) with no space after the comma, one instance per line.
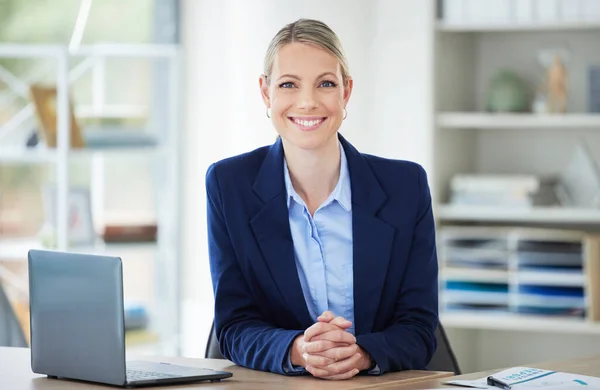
(298,78)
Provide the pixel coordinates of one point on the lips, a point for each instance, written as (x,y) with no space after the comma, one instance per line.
(307,123)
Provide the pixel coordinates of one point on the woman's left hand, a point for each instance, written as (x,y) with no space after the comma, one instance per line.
(343,361)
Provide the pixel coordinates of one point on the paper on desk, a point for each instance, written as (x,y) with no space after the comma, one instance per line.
(534,378)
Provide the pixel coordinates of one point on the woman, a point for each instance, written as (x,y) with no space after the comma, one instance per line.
(322,259)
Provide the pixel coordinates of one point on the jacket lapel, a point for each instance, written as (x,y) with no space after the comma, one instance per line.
(372,239)
(271,229)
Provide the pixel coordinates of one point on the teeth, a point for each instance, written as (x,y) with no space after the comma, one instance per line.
(307,123)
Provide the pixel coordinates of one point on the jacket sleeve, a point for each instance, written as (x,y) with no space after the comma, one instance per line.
(409,341)
(245,336)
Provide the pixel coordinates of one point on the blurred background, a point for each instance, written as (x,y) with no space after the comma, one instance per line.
(111,111)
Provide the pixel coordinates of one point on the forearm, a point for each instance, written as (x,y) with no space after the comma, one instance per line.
(402,346)
(257,345)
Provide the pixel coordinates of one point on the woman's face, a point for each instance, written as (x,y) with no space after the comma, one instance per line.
(306,95)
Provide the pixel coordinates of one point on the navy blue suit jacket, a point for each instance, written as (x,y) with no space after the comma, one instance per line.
(259,304)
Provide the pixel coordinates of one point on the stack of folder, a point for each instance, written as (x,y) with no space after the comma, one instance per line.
(514,270)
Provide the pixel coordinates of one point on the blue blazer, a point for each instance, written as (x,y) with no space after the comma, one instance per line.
(259,304)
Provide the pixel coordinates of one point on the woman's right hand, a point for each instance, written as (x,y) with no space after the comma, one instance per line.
(327,350)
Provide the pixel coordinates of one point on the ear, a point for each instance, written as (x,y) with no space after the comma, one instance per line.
(348,90)
(264,90)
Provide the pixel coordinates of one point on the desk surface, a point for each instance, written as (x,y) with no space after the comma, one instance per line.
(15,374)
(589,365)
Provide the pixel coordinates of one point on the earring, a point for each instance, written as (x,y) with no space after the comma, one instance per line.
(345,113)
(268,116)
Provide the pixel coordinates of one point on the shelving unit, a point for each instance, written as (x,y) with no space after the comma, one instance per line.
(469,140)
(160,261)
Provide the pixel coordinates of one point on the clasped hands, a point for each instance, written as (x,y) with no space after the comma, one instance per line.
(327,350)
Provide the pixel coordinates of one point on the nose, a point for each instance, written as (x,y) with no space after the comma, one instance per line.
(307,100)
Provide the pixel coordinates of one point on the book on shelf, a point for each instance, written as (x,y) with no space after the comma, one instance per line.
(504,190)
(123,233)
(492,183)
(516,190)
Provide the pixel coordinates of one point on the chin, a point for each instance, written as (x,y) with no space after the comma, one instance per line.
(309,141)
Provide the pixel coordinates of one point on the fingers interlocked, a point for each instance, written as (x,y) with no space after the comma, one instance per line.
(329,350)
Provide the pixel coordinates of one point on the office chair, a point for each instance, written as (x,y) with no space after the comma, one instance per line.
(212,346)
(443,359)
(11,333)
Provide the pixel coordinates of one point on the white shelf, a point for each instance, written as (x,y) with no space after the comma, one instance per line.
(508,321)
(96,50)
(551,278)
(475,297)
(561,215)
(31,156)
(126,50)
(474,275)
(124,151)
(518,27)
(112,111)
(15,249)
(39,156)
(119,248)
(482,120)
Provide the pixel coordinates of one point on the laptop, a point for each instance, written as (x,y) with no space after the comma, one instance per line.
(77,324)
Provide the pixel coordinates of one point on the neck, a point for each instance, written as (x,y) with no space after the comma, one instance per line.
(314,173)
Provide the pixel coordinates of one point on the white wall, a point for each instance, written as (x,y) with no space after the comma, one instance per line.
(224,42)
(401,80)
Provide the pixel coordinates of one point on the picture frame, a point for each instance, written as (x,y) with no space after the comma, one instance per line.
(81,231)
(45,101)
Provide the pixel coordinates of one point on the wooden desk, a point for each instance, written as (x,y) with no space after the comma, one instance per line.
(589,365)
(15,374)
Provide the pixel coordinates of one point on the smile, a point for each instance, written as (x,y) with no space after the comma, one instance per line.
(307,124)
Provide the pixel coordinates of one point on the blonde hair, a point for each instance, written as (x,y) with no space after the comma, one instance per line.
(311,32)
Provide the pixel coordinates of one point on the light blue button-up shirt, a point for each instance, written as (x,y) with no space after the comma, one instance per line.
(323,248)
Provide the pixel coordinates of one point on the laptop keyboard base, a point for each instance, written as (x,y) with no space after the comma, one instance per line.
(138,375)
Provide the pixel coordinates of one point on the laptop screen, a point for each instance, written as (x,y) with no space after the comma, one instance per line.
(77,324)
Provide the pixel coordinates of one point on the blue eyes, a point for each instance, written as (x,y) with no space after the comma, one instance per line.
(324,84)
(286,85)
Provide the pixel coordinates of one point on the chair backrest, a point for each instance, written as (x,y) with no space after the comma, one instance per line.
(212,346)
(443,359)
(11,333)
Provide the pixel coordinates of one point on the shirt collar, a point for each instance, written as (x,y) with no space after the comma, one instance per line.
(341,193)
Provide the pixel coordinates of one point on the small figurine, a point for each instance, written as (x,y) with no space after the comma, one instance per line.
(556,87)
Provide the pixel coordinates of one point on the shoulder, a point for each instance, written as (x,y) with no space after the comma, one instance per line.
(237,167)
(404,183)
(391,171)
